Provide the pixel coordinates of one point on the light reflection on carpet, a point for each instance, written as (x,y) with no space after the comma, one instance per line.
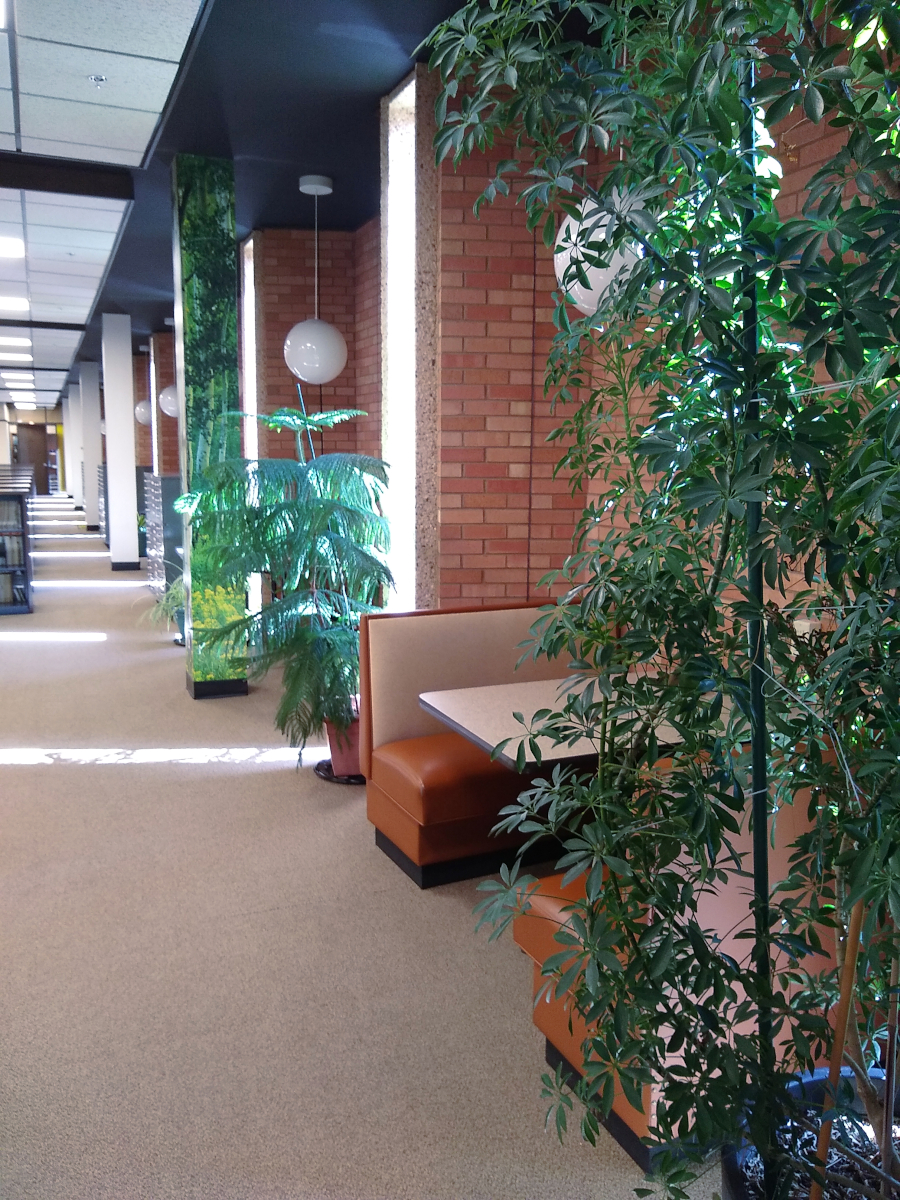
(31,756)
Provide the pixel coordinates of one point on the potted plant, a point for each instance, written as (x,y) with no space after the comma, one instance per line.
(313,529)
(730,413)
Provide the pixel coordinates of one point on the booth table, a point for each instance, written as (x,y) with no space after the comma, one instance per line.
(484,715)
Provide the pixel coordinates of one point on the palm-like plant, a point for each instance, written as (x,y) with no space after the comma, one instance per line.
(313,528)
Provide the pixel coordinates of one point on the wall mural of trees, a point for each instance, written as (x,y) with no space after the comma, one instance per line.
(206,292)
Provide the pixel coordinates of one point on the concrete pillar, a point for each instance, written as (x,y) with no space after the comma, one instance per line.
(91,441)
(5,446)
(155,414)
(121,485)
(74,461)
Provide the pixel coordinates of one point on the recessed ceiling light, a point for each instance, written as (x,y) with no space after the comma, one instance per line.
(12,247)
(97,80)
(14,303)
(19,383)
(23,358)
(17,375)
(25,405)
(14,341)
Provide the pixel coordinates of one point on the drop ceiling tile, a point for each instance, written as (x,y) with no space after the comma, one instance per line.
(13,269)
(95,203)
(67,264)
(10,228)
(11,210)
(45,280)
(46,237)
(7,116)
(49,69)
(5,75)
(86,124)
(155,30)
(46,257)
(103,154)
(54,347)
(49,379)
(7,141)
(67,294)
(63,217)
(10,194)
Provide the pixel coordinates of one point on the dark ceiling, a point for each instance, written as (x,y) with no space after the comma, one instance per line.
(285,88)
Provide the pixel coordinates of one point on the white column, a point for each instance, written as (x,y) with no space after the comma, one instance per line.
(74,463)
(118,398)
(91,444)
(5,446)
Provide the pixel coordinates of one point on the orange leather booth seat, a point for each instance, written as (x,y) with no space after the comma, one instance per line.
(438,797)
(432,795)
(558,1019)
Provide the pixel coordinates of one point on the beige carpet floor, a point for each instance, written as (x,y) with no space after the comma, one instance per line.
(213,985)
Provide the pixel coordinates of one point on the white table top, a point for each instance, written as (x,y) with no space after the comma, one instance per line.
(485,716)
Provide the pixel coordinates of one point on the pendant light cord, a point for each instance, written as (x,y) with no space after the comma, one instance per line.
(316,209)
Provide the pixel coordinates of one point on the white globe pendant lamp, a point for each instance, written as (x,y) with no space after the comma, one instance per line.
(576,235)
(314,350)
(168,400)
(143,413)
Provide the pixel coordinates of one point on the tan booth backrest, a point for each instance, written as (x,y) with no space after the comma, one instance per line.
(403,654)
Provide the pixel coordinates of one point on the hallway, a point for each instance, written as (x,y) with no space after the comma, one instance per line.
(213,984)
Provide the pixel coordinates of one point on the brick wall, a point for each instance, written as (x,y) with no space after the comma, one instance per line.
(504,520)
(163,345)
(143,441)
(284,264)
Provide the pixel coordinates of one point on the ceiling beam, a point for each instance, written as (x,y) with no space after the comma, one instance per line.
(37,173)
(9,323)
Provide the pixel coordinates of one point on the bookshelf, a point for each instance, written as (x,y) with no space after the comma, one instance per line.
(16,485)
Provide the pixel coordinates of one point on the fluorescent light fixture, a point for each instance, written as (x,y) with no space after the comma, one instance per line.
(28,384)
(8,357)
(65,537)
(12,247)
(70,524)
(15,303)
(14,341)
(89,583)
(36,636)
(30,756)
(25,405)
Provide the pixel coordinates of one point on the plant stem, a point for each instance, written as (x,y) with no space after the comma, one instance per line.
(848,978)
(890,1072)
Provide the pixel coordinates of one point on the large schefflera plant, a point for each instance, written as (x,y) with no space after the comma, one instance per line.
(731,413)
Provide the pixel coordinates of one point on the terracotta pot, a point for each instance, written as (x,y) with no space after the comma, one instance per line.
(344,749)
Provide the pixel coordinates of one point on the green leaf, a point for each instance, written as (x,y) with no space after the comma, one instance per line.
(814,104)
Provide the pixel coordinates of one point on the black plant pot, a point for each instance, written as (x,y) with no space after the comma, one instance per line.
(812,1089)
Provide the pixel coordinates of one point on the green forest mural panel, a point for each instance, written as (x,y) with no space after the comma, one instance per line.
(206,261)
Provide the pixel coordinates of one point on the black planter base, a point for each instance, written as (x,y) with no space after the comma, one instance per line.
(214,689)
(456,869)
(325,771)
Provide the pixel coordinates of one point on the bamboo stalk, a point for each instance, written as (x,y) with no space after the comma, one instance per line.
(848,978)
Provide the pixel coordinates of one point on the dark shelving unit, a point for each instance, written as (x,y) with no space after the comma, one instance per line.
(16,486)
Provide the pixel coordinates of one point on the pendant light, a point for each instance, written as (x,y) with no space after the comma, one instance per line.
(314,350)
(576,235)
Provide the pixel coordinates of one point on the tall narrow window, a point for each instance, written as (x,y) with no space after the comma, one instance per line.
(249,390)
(399,354)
